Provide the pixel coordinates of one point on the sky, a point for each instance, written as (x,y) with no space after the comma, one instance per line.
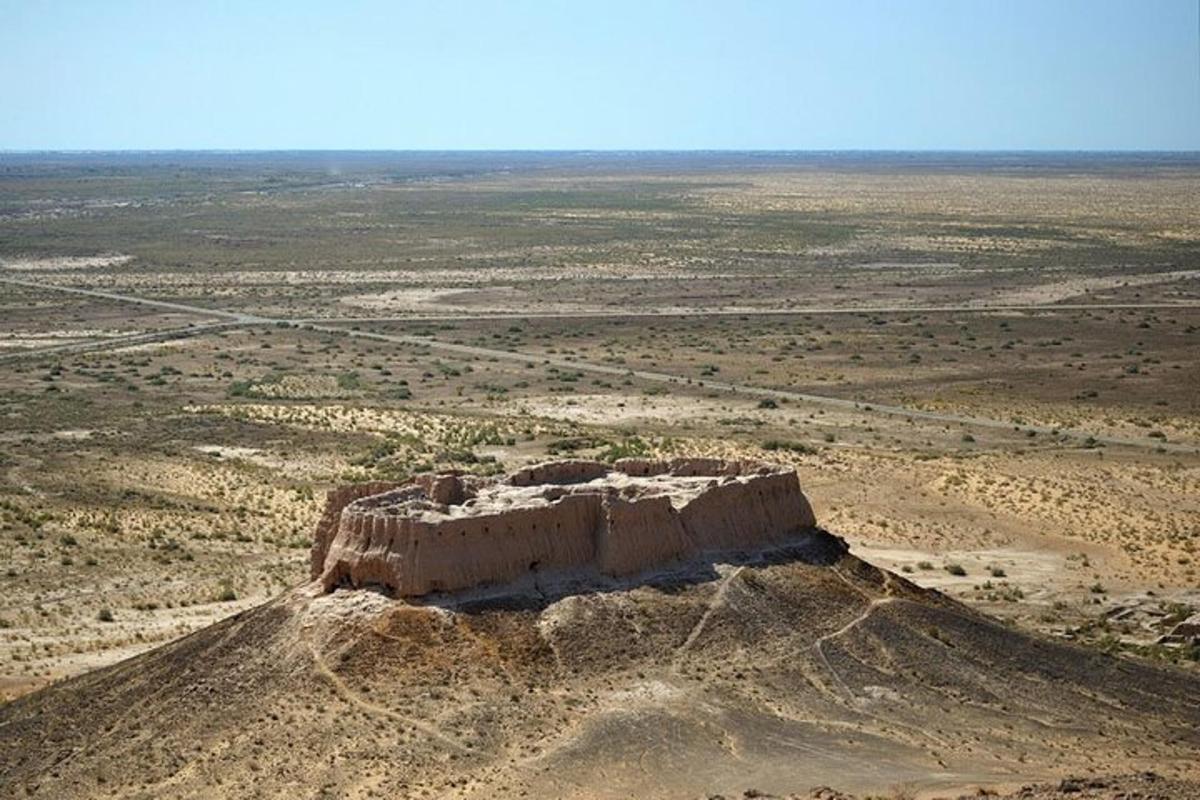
(600,74)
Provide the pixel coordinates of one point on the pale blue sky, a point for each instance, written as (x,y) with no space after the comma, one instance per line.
(840,74)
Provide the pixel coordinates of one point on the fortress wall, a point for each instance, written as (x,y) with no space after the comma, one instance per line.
(371,504)
(416,557)
(501,548)
(638,535)
(737,515)
(702,467)
(642,467)
(366,540)
(688,467)
(327,526)
(559,472)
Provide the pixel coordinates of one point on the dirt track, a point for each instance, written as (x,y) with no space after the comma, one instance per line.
(645,375)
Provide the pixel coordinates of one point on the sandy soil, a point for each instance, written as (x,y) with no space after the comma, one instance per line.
(1061,291)
(60,263)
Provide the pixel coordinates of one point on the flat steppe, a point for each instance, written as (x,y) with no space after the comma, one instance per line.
(984,368)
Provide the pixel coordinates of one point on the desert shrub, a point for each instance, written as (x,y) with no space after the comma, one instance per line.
(239,388)
(630,447)
(569,445)
(791,447)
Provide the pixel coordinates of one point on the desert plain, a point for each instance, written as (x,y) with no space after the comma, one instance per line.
(984,368)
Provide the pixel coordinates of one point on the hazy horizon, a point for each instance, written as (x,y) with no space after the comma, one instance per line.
(866,76)
(608,151)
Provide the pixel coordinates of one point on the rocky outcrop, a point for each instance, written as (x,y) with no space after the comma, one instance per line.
(1186,632)
(444,533)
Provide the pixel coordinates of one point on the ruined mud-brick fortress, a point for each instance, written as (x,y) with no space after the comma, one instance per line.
(450,532)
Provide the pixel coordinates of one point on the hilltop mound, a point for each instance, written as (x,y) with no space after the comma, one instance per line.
(779,667)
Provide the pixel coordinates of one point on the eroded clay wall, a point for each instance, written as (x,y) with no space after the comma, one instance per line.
(689,467)
(559,472)
(416,557)
(639,535)
(736,515)
(327,527)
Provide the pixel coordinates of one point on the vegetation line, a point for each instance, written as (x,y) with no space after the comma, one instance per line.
(752,391)
(757,312)
(119,342)
(645,375)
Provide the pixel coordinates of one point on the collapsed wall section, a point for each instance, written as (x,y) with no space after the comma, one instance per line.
(446,533)
(639,535)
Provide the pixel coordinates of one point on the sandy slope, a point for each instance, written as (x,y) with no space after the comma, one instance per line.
(814,669)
